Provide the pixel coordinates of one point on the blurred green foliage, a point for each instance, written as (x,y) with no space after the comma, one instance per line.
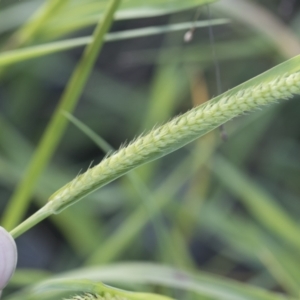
(227,209)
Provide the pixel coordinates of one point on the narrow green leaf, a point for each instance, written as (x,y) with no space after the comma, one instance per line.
(15,56)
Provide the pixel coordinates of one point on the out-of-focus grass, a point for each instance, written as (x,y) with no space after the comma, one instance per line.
(228,208)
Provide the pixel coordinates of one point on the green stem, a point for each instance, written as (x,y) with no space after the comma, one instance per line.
(20,199)
(39,216)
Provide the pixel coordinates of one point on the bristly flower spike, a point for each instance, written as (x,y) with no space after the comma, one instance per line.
(252,95)
(173,135)
(89,296)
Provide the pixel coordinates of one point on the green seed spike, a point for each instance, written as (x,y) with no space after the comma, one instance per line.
(281,82)
(175,134)
(91,290)
(89,296)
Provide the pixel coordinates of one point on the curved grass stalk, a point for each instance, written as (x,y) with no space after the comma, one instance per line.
(279,83)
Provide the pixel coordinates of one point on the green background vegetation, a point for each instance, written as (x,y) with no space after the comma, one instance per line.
(224,212)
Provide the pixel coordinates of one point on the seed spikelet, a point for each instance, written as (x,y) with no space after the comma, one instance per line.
(175,134)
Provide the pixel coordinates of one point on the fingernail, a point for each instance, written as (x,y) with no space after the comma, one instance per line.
(8,257)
